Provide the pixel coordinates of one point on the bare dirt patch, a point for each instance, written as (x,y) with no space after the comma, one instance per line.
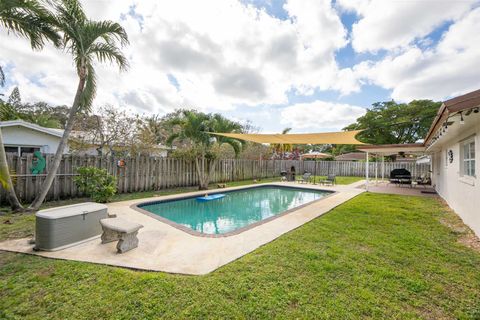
(465,235)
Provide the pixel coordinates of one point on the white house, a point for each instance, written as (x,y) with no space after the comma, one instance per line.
(452,147)
(24,137)
(453,142)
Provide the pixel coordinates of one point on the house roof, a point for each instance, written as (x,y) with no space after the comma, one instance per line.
(51,131)
(351,156)
(451,106)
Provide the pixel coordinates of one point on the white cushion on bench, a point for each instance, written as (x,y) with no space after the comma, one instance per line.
(120,225)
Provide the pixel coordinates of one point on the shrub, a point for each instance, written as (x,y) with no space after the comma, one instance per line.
(96,183)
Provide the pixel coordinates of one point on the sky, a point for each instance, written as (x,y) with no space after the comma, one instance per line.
(312,65)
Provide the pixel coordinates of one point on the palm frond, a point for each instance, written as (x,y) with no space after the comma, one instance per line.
(172,138)
(89,92)
(29,19)
(106,52)
(72,9)
(107,30)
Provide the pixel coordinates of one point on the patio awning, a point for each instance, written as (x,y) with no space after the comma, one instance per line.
(390,149)
(344,137)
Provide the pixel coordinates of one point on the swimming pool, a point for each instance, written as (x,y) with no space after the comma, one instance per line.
(239,210)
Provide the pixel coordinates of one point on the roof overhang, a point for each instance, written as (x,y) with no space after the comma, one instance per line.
(451,107)
(13,123)
(343,137)
(391,149)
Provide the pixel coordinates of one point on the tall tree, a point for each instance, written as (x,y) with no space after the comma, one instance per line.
(392,123)
(108,130)
(281,148)
(86,40)
(32,20)
(192,128)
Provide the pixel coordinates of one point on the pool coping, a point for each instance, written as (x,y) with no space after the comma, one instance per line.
(168,249)
(136,207)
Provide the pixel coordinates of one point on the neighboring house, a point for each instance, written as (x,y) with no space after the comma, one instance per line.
(351,156)
(24,137)
(453,142)
(86,143)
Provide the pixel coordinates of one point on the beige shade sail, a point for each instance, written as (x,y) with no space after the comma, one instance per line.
(344,137)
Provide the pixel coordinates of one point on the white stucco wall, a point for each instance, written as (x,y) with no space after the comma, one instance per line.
(22,136)
(461,193)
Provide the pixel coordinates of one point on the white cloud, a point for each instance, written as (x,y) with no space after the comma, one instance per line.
(446,70)
(320,114)
(226,55)
(222,53)
(389,24)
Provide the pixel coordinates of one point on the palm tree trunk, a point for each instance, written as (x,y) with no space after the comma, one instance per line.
(210,171)
(61,147)
(200,174)
(5,175)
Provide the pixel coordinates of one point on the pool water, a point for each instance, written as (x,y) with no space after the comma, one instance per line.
(236,210)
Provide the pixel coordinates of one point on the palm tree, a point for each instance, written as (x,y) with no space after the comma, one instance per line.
(29,19)
(222,124)
(193,129)
(86,40)
(282,148)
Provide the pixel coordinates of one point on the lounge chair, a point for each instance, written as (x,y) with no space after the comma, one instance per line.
(329,180)
(306,178)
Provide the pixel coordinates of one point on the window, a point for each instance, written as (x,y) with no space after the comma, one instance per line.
(468,158)
(28,150)
(11,150)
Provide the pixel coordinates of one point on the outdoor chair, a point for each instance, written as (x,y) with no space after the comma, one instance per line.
(306,178)
(424,180)
(329,180)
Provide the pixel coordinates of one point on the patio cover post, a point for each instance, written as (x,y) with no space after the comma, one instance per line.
(376,169)
(383,167)
(366,173)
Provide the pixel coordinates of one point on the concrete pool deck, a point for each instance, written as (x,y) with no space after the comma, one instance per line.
(165,248)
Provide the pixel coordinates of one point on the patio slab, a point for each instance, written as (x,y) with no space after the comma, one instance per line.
(405,190)
(166,248)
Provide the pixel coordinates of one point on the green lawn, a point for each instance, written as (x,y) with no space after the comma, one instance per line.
(376,256)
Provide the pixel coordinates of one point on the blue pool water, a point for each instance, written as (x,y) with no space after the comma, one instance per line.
(236,210)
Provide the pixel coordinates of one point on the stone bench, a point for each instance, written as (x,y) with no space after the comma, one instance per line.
(122,230)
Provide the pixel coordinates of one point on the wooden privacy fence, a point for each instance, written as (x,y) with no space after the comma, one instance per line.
(154,173)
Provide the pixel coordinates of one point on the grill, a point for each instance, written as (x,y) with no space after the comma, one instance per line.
(400,176)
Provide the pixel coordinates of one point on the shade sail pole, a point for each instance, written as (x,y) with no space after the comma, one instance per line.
(366,173)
